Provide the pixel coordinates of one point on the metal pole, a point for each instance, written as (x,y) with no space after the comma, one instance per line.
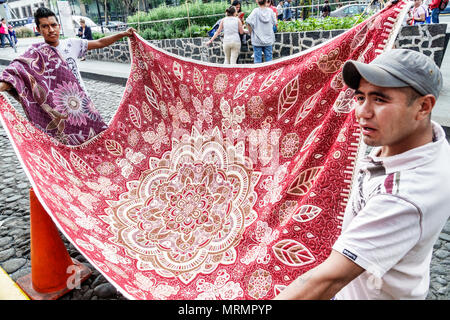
(99,16)
(189,19)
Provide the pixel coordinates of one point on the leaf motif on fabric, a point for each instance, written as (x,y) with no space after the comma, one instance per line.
(307,213)
(114,147)
(184,93)
(81,165)
(167,82)
(135,116)
(359,37)
(198,80)
(156,82)
(61,160)
(177,70)
(151,97)
(292,253)
(244,85)
(304,181)
(311,138)
(288,97)
(147,111)
(306,107)
(329,63)
(270,80)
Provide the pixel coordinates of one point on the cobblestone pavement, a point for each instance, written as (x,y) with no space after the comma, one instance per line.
(15,220)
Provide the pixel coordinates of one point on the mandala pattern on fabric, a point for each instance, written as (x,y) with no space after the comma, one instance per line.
(188,212)
(71,101)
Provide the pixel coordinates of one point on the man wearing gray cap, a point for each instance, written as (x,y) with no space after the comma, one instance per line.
(399,203)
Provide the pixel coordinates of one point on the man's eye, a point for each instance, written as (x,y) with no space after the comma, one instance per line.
(359,99)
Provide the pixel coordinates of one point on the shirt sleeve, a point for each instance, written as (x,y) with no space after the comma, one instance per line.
(251,19)
(381,233)
(79,47)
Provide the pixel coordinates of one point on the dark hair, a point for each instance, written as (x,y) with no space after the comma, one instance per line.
(235,3)
(231,10)
(261,2)
(43,12)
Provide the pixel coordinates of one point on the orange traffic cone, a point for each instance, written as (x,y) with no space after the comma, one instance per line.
(53,271)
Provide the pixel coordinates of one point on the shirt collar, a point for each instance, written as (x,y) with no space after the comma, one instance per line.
(411,158)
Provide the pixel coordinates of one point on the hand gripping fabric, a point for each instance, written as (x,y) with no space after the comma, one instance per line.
(211,182)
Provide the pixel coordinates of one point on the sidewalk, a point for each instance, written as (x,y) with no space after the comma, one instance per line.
(119,73)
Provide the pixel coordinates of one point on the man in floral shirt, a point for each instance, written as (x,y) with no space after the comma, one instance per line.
(48,84)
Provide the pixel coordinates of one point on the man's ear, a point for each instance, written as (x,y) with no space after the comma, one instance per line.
(427,103)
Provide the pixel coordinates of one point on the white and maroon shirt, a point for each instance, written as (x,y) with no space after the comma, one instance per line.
(395,215)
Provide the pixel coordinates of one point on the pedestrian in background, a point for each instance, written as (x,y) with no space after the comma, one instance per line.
(260,25)
(418,14)
(435,10)
(5,34)
(270,5)
(232,27)
(280,10)
(326,9)
(84,32)
(240,13)
(241,16)
(287,11)
(12,34)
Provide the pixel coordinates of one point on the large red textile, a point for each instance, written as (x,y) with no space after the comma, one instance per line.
(212,182)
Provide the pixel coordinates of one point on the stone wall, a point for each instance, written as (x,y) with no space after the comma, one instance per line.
(428,38)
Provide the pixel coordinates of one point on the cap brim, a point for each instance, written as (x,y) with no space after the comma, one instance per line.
(353,71)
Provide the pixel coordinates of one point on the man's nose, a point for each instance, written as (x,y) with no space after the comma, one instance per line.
(364,110)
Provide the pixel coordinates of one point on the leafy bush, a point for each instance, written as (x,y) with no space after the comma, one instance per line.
(24,32)
(328,23)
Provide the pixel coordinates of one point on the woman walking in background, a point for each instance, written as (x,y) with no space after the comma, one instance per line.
(232,28)
(5,34)
(260,25)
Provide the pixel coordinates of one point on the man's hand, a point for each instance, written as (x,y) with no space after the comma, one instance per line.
(5,86)
(129,32)
(324,281)
(109,40)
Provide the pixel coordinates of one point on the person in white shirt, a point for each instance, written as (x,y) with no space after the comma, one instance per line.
(71,49)
(399,203)
(62,108)
(280,10)
(232,28)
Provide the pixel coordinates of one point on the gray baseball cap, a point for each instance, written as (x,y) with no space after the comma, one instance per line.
(396,68)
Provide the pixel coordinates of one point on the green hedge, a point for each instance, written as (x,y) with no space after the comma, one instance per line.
(328,23)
